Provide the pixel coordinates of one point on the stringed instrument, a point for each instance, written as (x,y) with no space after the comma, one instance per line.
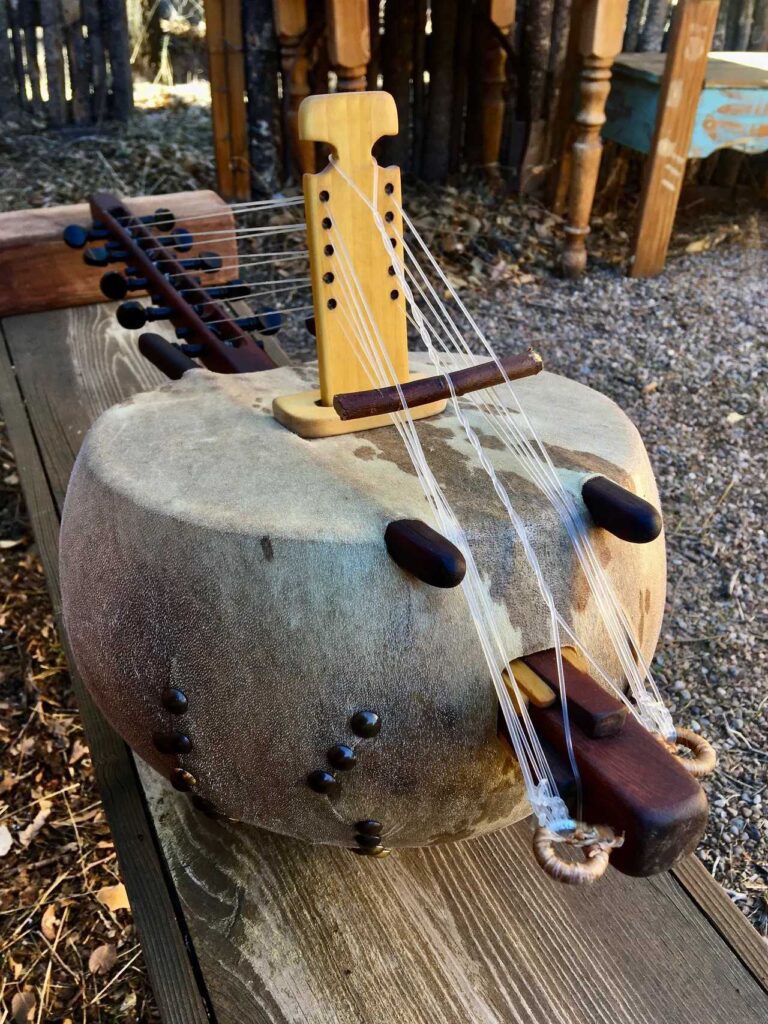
(382,600)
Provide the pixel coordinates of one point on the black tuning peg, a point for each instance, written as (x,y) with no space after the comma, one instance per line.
(267,322)
(116,287)
(76,236)
(206,262)
(162,220)
(133,315)
(620,512)
(180,239)
(100,256)
(231,290)
(165,356)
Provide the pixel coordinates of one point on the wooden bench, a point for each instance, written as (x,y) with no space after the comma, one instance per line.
(240,926)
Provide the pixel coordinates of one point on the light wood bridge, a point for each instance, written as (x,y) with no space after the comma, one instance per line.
(239,926)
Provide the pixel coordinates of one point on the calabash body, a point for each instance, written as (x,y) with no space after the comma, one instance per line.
(205,549)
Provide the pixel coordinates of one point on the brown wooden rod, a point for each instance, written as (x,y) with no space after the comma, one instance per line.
(353,405)
(231,350)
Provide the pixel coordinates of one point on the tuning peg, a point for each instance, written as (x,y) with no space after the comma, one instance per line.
(115,286)
(620,512)
(206,261)
(180,239)
(165,356)
(162,220)
(267,322)
(191,350)
(100,256)
(133,315)
(232,290)
(76,236)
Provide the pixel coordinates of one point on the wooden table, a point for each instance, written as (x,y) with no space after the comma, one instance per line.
(239,926)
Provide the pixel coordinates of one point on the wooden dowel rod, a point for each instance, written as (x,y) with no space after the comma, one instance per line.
(353,405)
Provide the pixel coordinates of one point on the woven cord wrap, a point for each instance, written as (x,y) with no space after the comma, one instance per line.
(704,757)
(597,850)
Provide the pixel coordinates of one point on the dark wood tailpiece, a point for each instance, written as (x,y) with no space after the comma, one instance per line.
(630,780)
(229,349)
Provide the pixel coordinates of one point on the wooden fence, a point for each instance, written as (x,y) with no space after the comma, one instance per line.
(478,83)
(65,60)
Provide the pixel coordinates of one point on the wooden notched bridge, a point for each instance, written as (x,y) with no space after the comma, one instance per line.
(238,924)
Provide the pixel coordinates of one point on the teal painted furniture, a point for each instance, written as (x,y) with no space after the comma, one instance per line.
(732,111)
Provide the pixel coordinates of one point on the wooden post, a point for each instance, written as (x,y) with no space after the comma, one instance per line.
(114,33)
(435,159)
(563,129)
(502,15)
(97,64)
(291,26)
(349,42)
(397,53)
(28,17)
(53,42)
(693,26)
(261,61)
(602,29)
(224,33)
(8,98)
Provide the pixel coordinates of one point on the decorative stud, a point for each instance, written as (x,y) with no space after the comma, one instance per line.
(370,827)
(323,782)
(368,842)
(365,724)
(379,852)
(342,757)
(183,780)
(174,700)
(172,742)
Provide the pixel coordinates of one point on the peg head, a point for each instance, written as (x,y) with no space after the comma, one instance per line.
(269,321)
(622,513)
(98,256)
(350,122)
(76,236)
(131,315)
(208,262)
(163,219)
(113,285)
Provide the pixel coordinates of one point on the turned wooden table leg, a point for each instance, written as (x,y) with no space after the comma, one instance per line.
(602,29)
(502,15)
(349,42)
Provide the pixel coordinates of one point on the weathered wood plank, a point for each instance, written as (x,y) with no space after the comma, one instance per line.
(469,931)
(161,928)
(455,933)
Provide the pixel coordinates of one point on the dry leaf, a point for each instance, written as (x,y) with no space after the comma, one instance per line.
(650,387)
(114,897)
(6,840)
(102,959)
(7,782)
(28,834)
(700,245)
(49,923)
(23,1007)
(79,749)
(7,544)
(733,417)
(12,480)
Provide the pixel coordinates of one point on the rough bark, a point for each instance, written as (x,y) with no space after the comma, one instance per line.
(535,59)
(460,83)
(115,32)
(758,37)
(92,19)
(652,35)
(261,65)
(78,66)
(53,42)
(739,25)
(635,16)
(436,156)
(8,93)
(28,23)
(396,67)
(473,135)
(718,40)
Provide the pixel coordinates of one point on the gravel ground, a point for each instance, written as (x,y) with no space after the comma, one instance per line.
(683,354)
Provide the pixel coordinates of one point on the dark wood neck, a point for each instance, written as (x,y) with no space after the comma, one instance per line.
(228,349)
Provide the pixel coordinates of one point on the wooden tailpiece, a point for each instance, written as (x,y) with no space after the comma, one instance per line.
(356,404)
(227,350)
(630,779)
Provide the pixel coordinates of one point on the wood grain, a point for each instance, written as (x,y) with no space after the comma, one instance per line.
(40,272)
(284,932)
(693,25)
